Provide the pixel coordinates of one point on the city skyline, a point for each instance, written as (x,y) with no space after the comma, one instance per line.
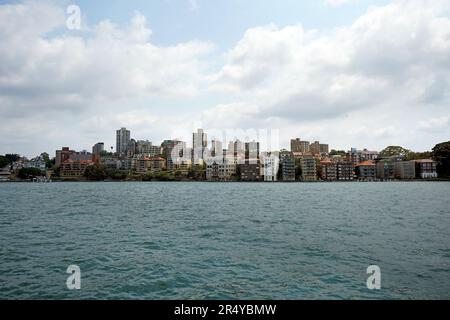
(246,160)
(210,143)
(322,70)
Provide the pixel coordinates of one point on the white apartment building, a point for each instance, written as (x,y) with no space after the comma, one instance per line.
(270,166)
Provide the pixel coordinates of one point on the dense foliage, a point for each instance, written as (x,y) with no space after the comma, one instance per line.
(441,154)
(96,172)
(337,153)
(29,173)
(419,155)
(407,154)
(49,163)
(394,151)
(8,159)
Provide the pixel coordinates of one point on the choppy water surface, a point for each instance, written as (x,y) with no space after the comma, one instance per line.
(225,240)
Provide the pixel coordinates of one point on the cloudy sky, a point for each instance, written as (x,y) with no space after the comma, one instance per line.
(351,73)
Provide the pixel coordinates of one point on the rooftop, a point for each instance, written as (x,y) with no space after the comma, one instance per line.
(424,161)
(367,163)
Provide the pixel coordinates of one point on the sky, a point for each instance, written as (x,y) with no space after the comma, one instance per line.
(350,73)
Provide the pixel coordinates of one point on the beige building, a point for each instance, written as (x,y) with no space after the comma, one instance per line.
(221,171)
(318,148)
(328,170)
(298,145)
(309,169)
(405,170)
(74,168)
(157,164)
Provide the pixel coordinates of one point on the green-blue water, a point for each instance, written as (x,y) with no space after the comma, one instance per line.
(225,240)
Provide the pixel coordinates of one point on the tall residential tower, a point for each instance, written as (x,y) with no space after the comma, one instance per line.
(122,141)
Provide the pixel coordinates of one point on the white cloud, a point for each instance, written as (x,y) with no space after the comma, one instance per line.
(73,77)
(381,80)
(111,62)
(394,59)
(436,124)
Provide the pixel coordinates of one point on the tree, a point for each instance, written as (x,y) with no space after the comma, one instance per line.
(49,163)
(197,173)
(337,153)
(163,176)
(394,151)
(419,155)
(116,174)
(29,173)
(191,173)
(178,175)
(3,162)
(56,171)
(12,157)
(7,159)
(95,172)
(441,154)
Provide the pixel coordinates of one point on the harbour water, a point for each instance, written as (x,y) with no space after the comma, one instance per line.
(225,240)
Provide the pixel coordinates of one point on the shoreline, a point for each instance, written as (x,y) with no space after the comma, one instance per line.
(243,182)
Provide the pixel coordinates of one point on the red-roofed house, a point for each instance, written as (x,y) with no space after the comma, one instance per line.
(366,170)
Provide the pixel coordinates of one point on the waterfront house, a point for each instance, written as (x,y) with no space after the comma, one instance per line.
(328,171)
(221,170)
(344,171)
(212,171)
(405,170)
(142,165)
(157,164)
(74,168)
(426,169)
(250,171)
(270,167)
(385,169)
(366,170)
(287,165)
(309,170)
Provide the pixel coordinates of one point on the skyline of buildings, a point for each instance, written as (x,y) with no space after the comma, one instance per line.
(127,142)
(329,104)
(241,161)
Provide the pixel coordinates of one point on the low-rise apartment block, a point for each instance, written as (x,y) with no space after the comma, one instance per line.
(405,170)
(309,169)
(345,171)
(270,167)
(385,170)
(366,170)
(329,170)
(74,168)
(250,171)
(287,165)
(220,171)
(426,169)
